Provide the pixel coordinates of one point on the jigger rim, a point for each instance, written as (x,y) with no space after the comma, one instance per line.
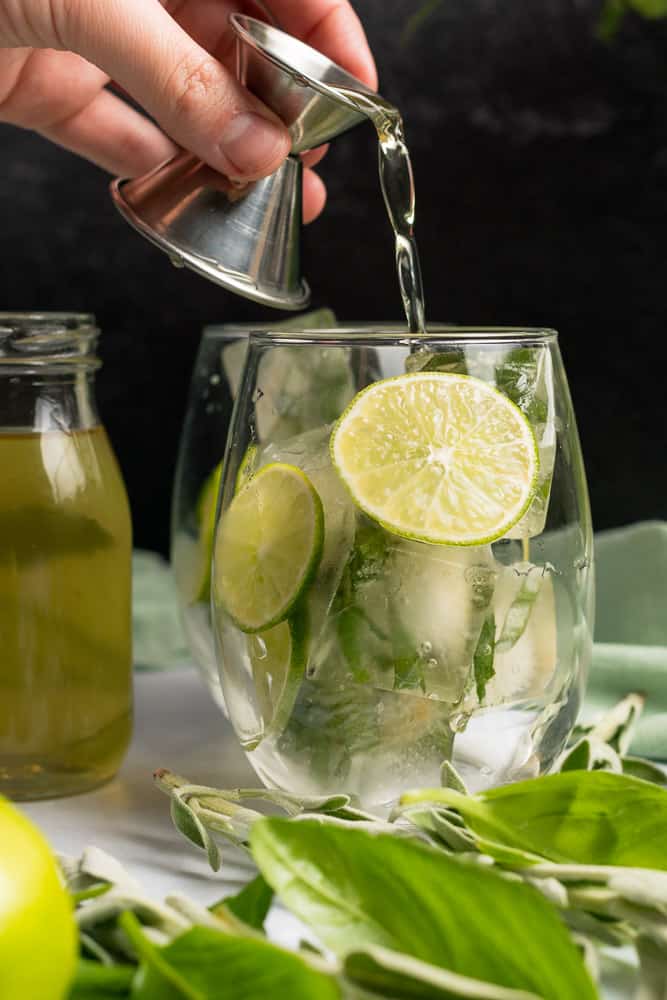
(207,266)
(241,23)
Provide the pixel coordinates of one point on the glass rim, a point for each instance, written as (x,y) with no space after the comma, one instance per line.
(397,334)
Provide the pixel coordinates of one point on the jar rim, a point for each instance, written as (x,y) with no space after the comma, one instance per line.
(31,341)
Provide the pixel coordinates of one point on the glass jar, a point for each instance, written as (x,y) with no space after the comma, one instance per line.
(65,565)
(380,609)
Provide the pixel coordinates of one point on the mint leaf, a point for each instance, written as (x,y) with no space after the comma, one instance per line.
(586,817)
(358,889)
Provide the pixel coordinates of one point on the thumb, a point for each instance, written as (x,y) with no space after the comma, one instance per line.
(195,99)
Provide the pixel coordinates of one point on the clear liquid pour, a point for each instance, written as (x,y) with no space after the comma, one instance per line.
(398,190)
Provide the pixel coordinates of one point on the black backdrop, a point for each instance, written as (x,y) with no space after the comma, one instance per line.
(540,155)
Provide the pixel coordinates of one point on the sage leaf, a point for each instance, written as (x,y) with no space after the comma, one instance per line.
(358,889)
(450,778)
(185,820)
(637,767)
(389,973)
(591,754)
(235,968)
(617,726)
(252,903)
(652,969)
(587,817)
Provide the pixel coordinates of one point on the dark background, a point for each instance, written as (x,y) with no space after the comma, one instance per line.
(540,155)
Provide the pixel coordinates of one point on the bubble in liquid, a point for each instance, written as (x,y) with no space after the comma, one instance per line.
(214,380)
(259,647)
(425,648)
(458,722)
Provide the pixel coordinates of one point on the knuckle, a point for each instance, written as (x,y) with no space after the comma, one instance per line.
(30,100)
(195,85)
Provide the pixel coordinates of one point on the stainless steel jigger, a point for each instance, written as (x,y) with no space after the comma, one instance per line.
(248,238)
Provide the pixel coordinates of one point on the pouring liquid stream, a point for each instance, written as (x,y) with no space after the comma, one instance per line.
(398,190)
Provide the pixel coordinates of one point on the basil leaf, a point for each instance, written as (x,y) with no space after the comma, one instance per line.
(357,889)
(589,817)
(234,968)
(93,981)
(251,904)
(389,973)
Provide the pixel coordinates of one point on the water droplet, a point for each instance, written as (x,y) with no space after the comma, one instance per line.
(486,770)
(176,260)
(214,380)
(432,663)
(425,648)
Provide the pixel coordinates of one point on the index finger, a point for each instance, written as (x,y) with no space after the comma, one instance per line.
(332,27)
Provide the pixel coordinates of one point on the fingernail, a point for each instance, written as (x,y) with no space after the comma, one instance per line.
(250,143)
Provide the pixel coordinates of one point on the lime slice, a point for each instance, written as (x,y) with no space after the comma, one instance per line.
(246,468)
(198,558)
(278,658)
(268,547)
(437,457)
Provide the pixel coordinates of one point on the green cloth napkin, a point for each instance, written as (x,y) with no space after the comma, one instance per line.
(630,652)
(157,633)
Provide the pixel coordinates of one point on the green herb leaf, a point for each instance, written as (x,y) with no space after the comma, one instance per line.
(357,889)
(484,656)
(653,968)
(155,969)
(185,820)
(637,767)
(588,817)
(252,903)
(93,981)
(220,965)
(389,973)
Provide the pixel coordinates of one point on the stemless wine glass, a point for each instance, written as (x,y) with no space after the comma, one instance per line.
(402,571)
(213,387)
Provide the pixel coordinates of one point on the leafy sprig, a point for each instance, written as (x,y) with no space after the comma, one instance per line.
(508,894)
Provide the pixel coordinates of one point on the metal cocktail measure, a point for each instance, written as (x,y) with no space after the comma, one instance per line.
(248,238)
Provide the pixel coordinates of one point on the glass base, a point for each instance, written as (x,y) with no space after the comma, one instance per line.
(71,770)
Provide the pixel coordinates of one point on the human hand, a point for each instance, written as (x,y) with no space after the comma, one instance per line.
(175,60)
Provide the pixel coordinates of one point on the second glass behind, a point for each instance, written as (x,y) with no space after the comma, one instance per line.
(213,387)
(402,569)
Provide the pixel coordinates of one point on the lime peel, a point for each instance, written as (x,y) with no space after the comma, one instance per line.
(437,457)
